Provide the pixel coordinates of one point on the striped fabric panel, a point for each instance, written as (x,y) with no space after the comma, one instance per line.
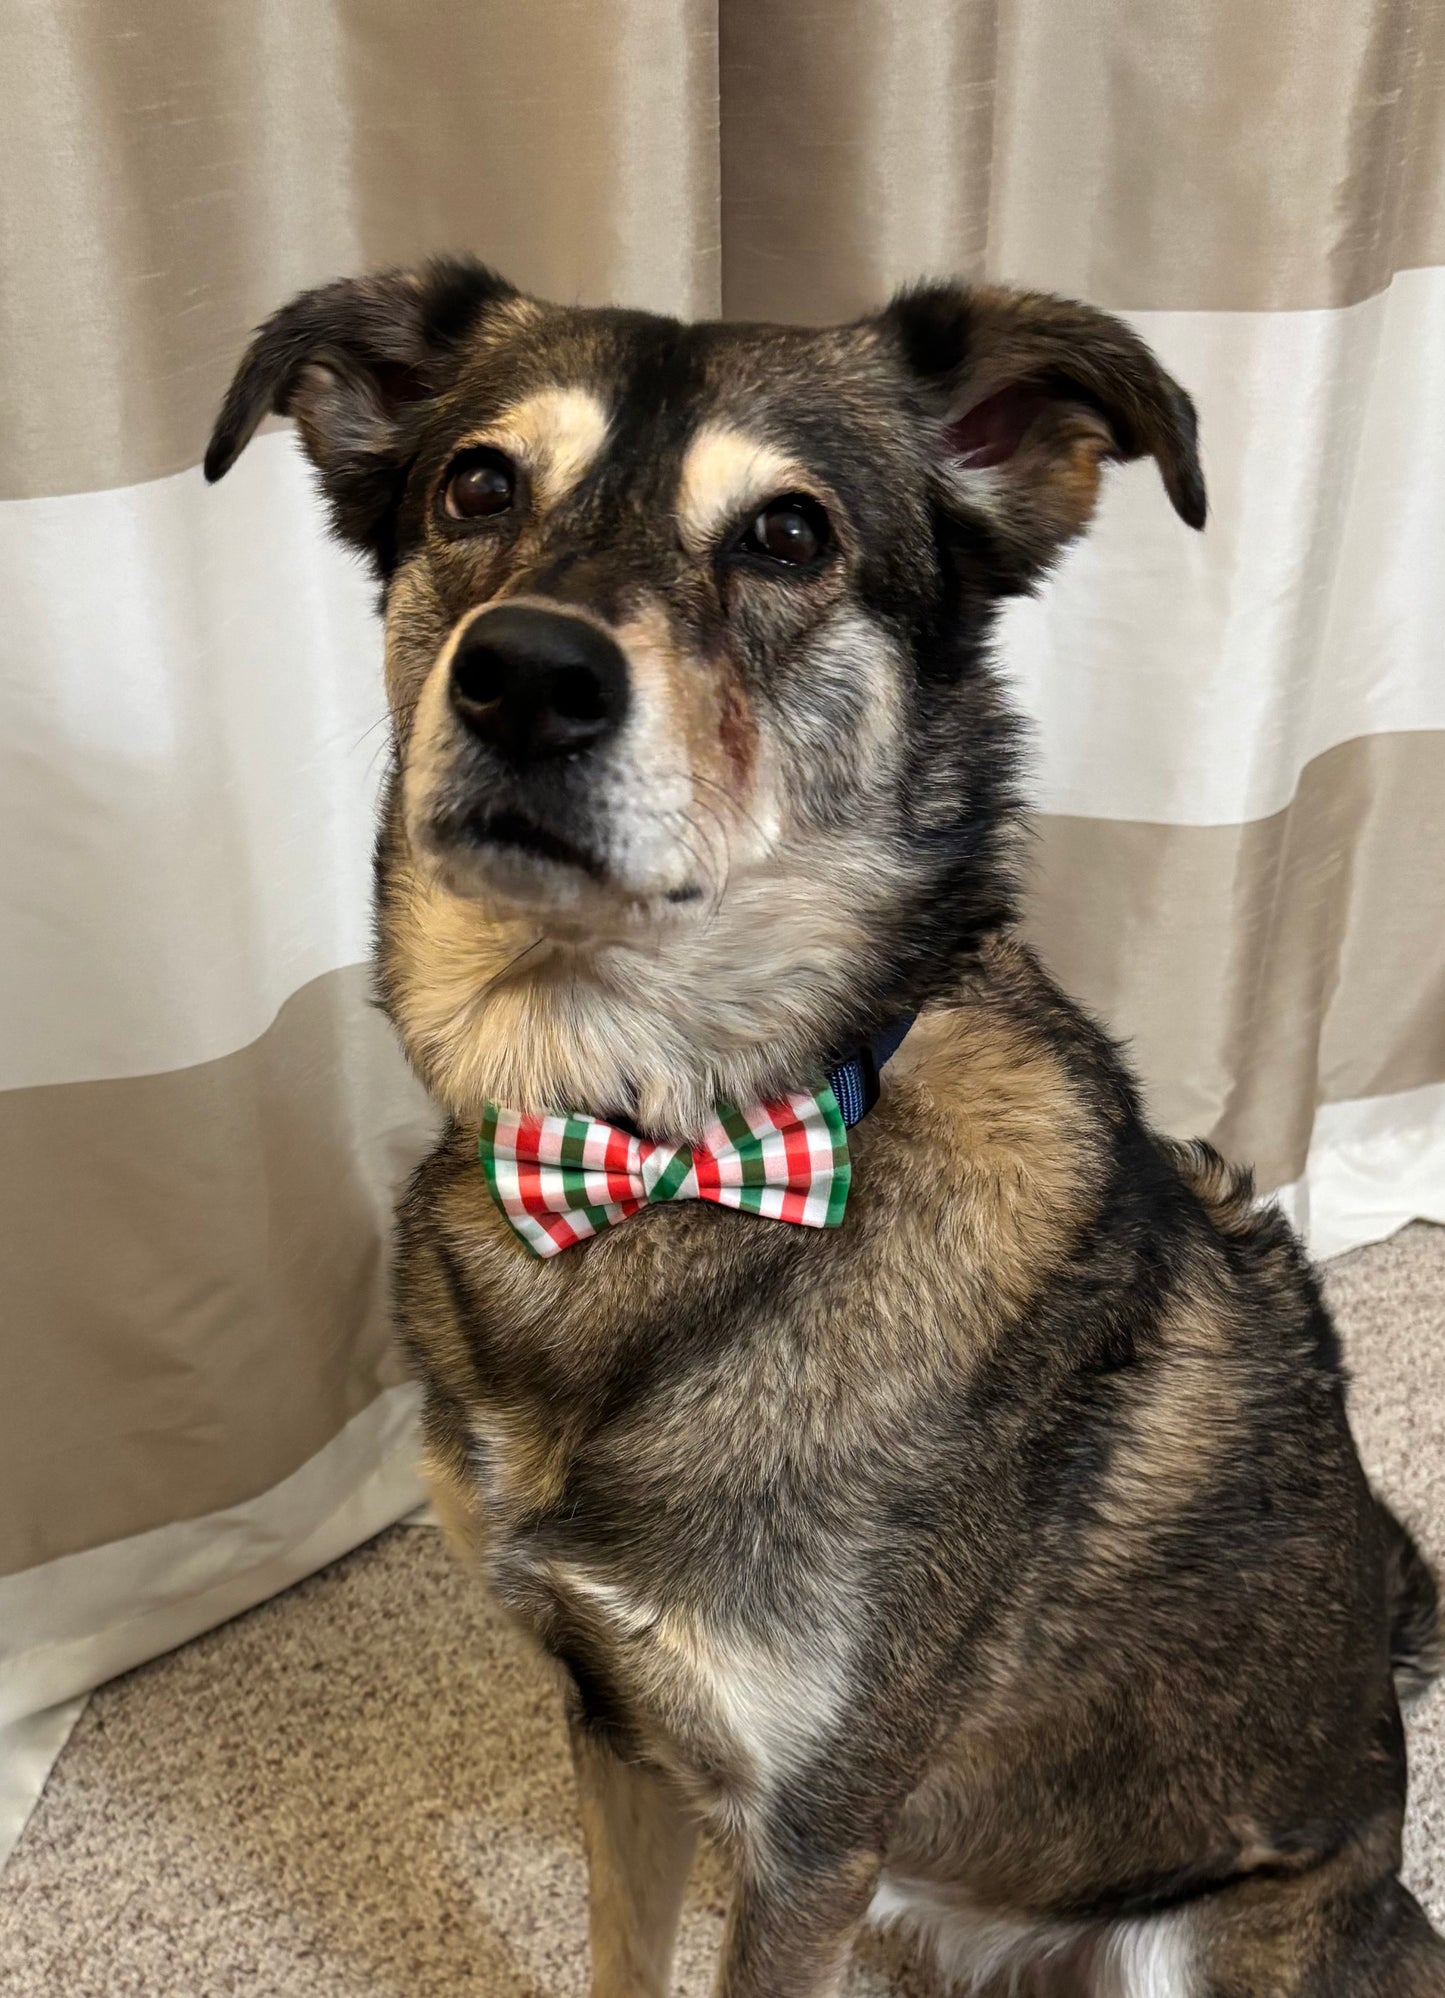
(143,245)
(1220,157)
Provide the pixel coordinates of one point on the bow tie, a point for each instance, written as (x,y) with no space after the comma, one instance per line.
(560,1180)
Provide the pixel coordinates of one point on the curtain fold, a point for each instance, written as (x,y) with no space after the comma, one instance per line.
(1210,157)
(172,172)
(1239,738)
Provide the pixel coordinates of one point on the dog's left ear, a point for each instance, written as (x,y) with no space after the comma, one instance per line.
(354,362)
(1025,397)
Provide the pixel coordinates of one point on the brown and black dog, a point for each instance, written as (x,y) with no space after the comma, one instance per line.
(999,1561)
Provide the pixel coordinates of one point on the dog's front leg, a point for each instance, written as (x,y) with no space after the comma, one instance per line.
(793,1924)
(640,1844)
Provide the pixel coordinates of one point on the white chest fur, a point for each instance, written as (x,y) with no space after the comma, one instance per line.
(736,1716)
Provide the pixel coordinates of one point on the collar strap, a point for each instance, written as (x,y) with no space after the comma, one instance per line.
(855,1082)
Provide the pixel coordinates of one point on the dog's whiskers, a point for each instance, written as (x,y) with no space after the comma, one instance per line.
(509,967)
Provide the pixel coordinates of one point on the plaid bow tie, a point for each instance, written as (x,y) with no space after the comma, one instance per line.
(560,1180)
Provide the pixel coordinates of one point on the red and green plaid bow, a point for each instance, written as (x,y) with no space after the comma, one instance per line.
(559,1180)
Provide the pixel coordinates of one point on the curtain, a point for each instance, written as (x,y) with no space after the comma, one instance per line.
(1240,742)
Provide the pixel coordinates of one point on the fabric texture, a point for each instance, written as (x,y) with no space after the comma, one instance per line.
(561,1180)
(1239,737)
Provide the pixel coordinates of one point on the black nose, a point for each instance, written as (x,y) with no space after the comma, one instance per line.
(537,683)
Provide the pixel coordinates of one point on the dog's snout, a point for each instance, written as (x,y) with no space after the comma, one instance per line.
(534,684)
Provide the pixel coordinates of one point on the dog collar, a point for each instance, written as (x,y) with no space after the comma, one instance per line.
(856,1082)
(559,1180)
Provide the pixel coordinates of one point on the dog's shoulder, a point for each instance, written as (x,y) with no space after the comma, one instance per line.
(1090,1240)
(1009,1119)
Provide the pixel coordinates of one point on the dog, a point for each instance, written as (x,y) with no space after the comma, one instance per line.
(963,1526)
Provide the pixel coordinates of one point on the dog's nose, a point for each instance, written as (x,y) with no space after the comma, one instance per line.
(534,683)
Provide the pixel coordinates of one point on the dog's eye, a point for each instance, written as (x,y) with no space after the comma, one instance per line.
(480,484)
(792,530)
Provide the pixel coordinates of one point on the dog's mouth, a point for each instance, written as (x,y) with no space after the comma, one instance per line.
(603,846)
(526,860)
(512,832)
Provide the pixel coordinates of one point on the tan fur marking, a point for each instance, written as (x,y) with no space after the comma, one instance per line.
(514,315)
(459,1506)
(1078,479)
(1179,1423)
(738,735)
(698,710)
(639,1851)
(1225,1191)
(1003,1105)
(725,472)
(526,1466)
(579,1025)
(556,433)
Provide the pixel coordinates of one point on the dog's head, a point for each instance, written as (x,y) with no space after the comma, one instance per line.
(686,650)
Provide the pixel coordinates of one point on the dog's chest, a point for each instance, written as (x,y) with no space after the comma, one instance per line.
(733,1712)
(680,1431)
(665,1630)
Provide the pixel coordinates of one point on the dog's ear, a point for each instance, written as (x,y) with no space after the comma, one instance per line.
(352,362)
(1024,398)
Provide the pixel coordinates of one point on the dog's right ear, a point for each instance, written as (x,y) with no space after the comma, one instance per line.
(351,362)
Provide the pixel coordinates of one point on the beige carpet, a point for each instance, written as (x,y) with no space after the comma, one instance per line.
(362,1788)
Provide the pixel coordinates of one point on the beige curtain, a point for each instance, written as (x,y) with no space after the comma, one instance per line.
(1241,740)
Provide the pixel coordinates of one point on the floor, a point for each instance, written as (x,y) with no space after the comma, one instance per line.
(360,1790)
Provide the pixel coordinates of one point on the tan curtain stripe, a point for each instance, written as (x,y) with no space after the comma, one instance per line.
(196,1259)
(1139,153)
(163,189)
(1259,969)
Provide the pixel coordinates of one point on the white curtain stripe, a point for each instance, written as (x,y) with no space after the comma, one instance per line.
(1373,1165)
(188,765)
(1188,679)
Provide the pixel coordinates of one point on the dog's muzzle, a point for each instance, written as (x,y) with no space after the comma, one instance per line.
(523,775)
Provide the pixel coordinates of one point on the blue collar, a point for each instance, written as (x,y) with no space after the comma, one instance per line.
(855,1082)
